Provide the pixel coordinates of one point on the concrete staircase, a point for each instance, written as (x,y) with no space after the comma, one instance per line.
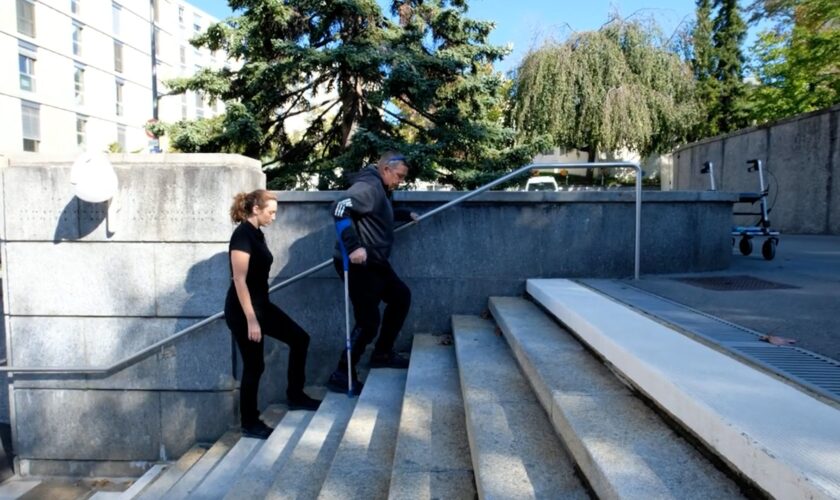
(571,395)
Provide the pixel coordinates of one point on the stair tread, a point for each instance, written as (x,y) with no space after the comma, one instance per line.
(362,464)
(746,416)
(515,452)
(303,474)
(258,475)
(144,481)
(198,472)
(218,480)
(432,454)
(15,487)
(623,448)
(172,474)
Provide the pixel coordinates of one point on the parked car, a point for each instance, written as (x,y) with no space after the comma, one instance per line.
(541,183)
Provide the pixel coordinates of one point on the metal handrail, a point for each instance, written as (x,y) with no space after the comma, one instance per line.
(163,343)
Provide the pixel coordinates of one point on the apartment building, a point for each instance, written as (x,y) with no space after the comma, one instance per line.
(78,74)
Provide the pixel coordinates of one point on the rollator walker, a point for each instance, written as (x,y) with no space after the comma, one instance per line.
(762,228)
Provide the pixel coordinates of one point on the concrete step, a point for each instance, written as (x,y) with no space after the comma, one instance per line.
(218,481)
(172,474)
(622,447)
(16,487)
(783,440)
(256,479)
(198,472)
(515,452)
(432,455)
(144,481)
(362,465)
(303,474)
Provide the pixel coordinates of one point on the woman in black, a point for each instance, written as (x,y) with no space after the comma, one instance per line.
(250,315)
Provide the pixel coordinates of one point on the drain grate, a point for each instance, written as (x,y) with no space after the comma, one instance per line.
(734,283)
(817,372)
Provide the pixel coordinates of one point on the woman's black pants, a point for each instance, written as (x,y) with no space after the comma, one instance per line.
(273,323)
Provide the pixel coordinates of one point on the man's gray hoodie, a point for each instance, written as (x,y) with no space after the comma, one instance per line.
(367,204)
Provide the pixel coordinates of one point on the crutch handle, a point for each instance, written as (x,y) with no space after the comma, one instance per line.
(340,226)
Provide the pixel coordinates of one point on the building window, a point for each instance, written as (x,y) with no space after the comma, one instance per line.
(76,7)
(118,57)
(184,106)
(26,17)
(31,114)
(27,72)
(81,131)
(116,14)
(199,105)
(119,87)
(77,39)
(121,137)
(196,23)
(79,80)
(181,15)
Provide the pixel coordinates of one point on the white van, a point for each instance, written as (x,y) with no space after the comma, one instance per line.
(541,183)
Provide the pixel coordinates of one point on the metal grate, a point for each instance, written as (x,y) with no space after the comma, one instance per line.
(817,372)
(734,283)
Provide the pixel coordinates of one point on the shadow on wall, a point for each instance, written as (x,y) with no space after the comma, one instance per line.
(79,219)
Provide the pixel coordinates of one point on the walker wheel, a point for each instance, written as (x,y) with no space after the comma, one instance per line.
(745,246)
(768,249)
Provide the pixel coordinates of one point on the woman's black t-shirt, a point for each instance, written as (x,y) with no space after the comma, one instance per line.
(251,240)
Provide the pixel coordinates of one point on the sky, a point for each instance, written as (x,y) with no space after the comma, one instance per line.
(526,23)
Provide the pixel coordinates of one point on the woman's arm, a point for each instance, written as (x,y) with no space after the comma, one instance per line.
(239,262)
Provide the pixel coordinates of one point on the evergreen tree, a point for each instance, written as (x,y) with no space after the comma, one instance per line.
(729,111)
(364,83)
(703,63)
(618,87)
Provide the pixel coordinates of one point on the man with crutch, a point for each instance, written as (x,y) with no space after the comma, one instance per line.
(364,220)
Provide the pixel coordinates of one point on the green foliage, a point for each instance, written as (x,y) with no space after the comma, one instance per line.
(717,61)
(798,59)
(362,82)
(729,111)
(617,87)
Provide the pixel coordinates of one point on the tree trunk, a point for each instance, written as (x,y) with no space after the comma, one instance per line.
(590,173)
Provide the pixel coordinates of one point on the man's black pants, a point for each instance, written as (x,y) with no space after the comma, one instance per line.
(273,323)
(370,284)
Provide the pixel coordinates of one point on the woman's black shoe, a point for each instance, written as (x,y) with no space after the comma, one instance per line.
(257,430)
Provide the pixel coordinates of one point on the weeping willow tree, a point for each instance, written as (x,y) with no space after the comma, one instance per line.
(618,87)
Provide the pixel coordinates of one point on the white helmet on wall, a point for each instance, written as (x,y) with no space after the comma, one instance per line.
(93,178)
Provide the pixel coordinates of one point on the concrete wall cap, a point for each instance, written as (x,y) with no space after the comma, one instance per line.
(166,160)
(523,196)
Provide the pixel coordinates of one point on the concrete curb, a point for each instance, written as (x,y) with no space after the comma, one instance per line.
(751,420)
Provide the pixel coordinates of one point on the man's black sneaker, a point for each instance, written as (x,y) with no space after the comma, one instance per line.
(257,430)
(302,402)
(338,383)
(388,359)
